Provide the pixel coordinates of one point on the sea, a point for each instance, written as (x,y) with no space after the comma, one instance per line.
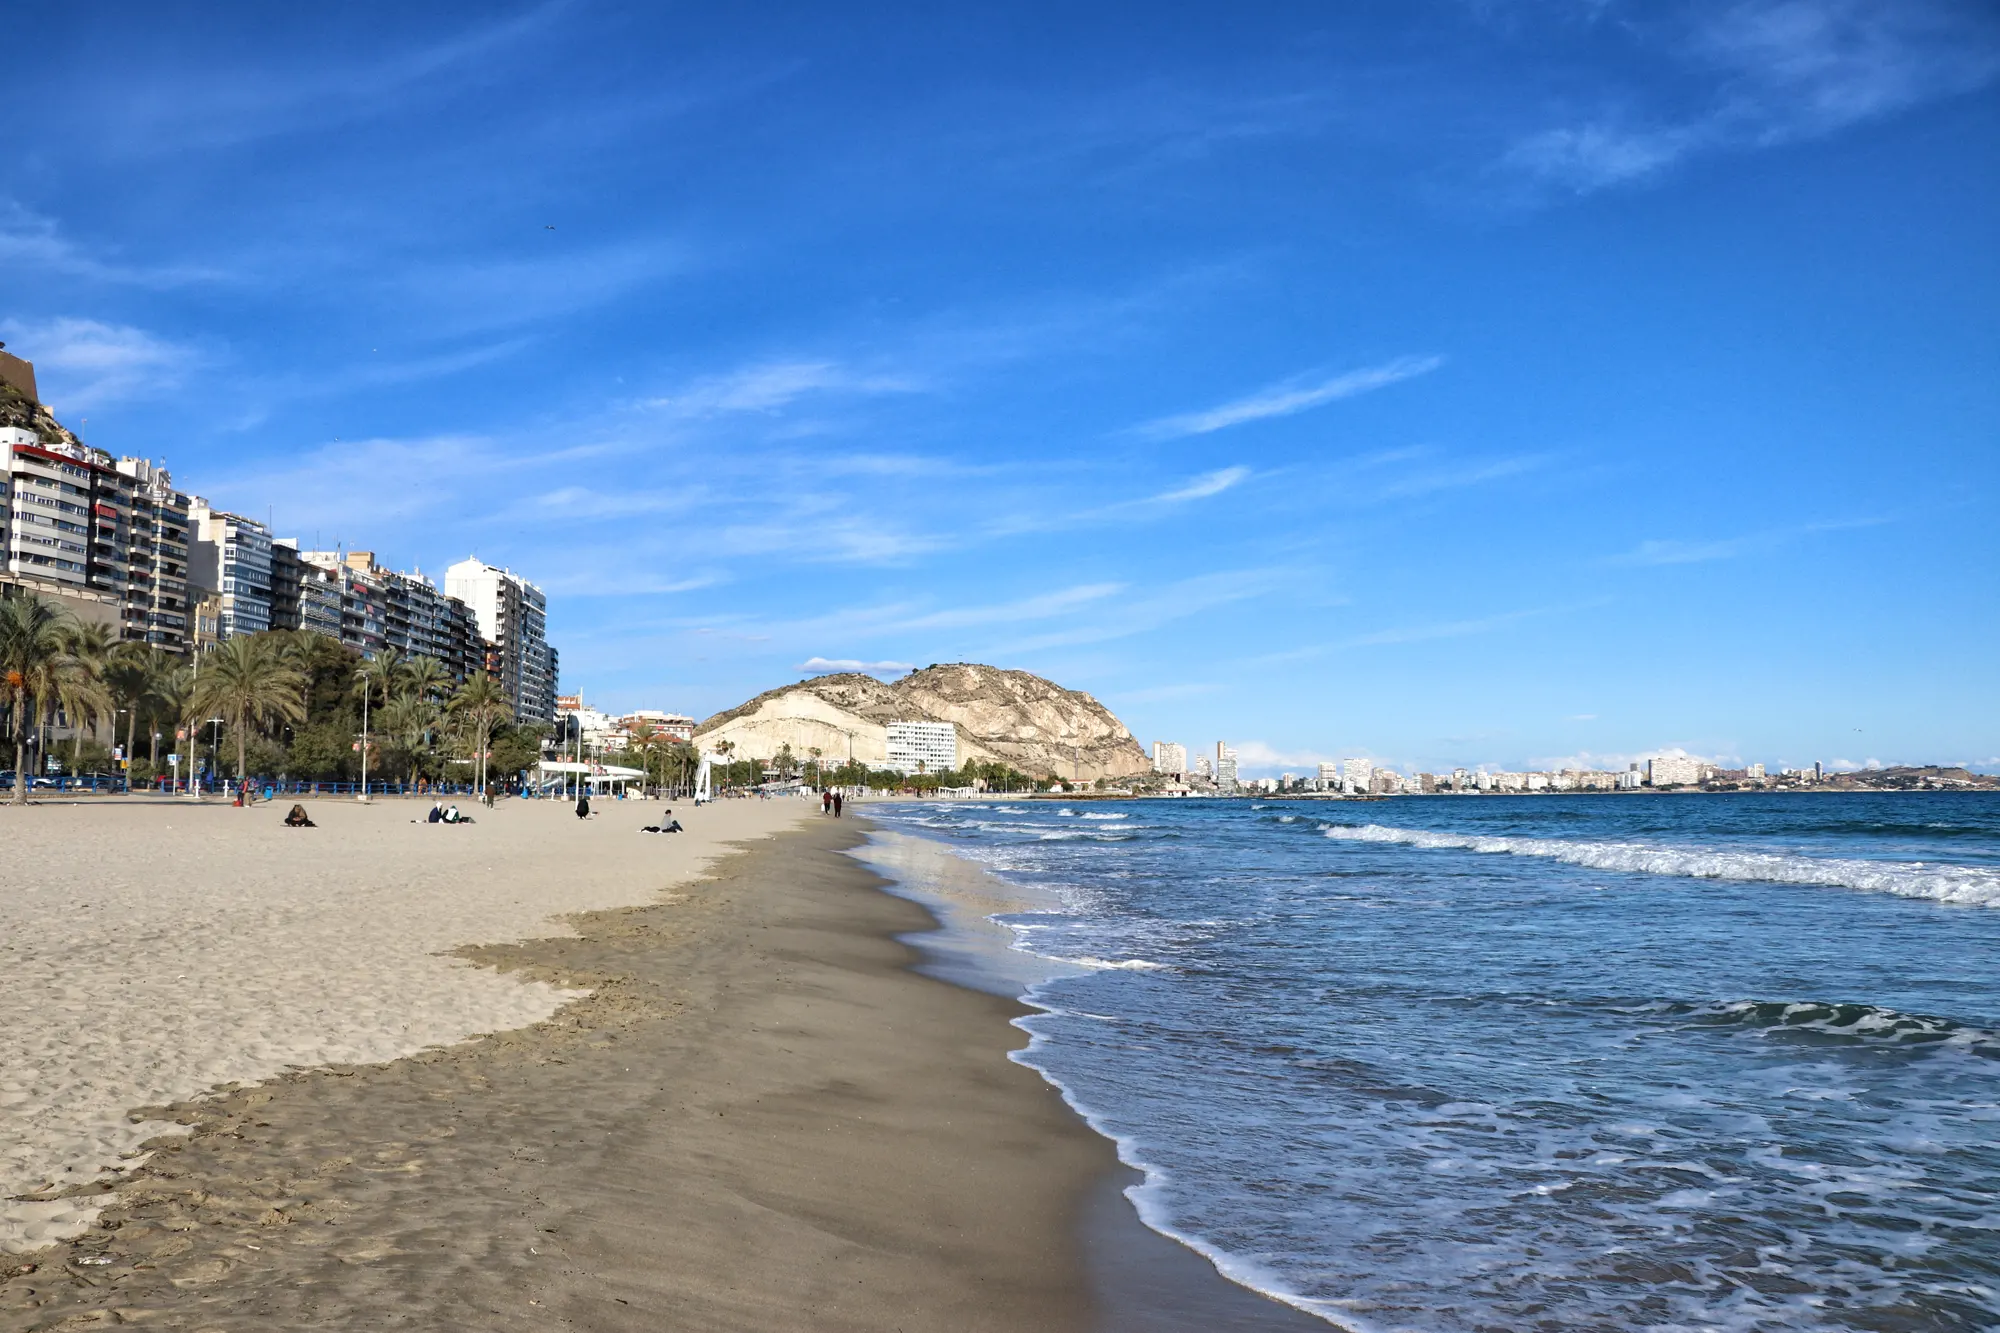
(1721,1062)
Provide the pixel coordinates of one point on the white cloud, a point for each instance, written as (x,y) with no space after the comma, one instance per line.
(1289,398)
(80,363)
(1588,759)
(1260,756)
(825,664)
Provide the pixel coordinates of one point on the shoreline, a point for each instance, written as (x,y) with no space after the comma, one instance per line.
(749,1039)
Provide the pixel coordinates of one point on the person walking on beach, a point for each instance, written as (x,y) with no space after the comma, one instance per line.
(836,805)
(826,800)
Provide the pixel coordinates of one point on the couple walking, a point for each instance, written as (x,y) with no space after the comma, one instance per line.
(829,802)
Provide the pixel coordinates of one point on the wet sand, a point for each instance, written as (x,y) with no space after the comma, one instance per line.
(760,1119)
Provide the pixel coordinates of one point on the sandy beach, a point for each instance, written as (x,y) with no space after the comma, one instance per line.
(156,949)
(759,1117)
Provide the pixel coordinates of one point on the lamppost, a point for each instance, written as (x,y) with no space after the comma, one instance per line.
(214,750)
(367,691)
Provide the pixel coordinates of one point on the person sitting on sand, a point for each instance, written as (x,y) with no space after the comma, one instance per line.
(668,825)
(298,818)
(583,805)
(436,816)
(451,816)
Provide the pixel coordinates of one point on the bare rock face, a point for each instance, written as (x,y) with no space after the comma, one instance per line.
(1013,717)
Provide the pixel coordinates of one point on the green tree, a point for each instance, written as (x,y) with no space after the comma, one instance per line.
(85,700)
(407,722)
(481,708)
(247,681)
(34,670)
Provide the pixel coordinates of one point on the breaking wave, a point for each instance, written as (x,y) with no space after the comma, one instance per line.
(1911,879)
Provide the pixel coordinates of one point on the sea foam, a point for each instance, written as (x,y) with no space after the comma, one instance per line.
(1911,879)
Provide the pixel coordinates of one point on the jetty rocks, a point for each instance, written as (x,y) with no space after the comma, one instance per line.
(1013,717)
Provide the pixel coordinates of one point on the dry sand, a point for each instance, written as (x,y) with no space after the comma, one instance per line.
(152,949)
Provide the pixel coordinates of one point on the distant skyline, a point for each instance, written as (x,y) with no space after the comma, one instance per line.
(1452,383)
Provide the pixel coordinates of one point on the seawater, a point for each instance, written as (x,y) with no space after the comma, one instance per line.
(1487,1063)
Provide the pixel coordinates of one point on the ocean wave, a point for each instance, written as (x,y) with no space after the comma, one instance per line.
(1119,965)
(1823,1021)
(1910,879)
(1097,815)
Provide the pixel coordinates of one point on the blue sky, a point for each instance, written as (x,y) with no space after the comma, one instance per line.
(1447,383)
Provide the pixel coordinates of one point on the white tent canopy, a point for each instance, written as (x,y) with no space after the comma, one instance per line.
(599,777)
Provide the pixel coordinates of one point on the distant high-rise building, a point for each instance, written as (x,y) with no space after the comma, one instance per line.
(512,616)
(1754,772)
(1329,772)
(1201,767)
(1357,776)
(1169,758)
(1673,770)
(1225,766)
(231,555)
(923,747)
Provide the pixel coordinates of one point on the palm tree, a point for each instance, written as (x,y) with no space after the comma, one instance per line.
(250,684)
(310,653)
(33,666)
(407,722)
(172,702)
(380,676)
(133,674)
(480,705)
(819,773)
(85,701)
(425,677)
(725,749)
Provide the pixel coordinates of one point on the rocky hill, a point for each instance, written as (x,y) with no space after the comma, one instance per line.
(17,409)
(1013,717)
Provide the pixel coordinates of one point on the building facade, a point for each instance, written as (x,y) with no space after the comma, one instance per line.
(923,747)
(110,539)
(1225,766)
(1673,771)
(1169,758)
(512,617)
(231,555)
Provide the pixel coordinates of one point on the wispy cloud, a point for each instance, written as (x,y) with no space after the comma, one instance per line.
(1289,398)
(772,386)
(34,242)
(1209,483)
(1674,551)
(81,363)
(1782,71)
(1424,632)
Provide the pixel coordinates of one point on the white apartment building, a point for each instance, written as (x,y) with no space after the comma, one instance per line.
(1329,773)
(923,747)
(1673,771)
(231,555)
(1201,766)
(1754,772)
(677,725)
(1169,758)
(1356,776)
(512,615)
(1225,766)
